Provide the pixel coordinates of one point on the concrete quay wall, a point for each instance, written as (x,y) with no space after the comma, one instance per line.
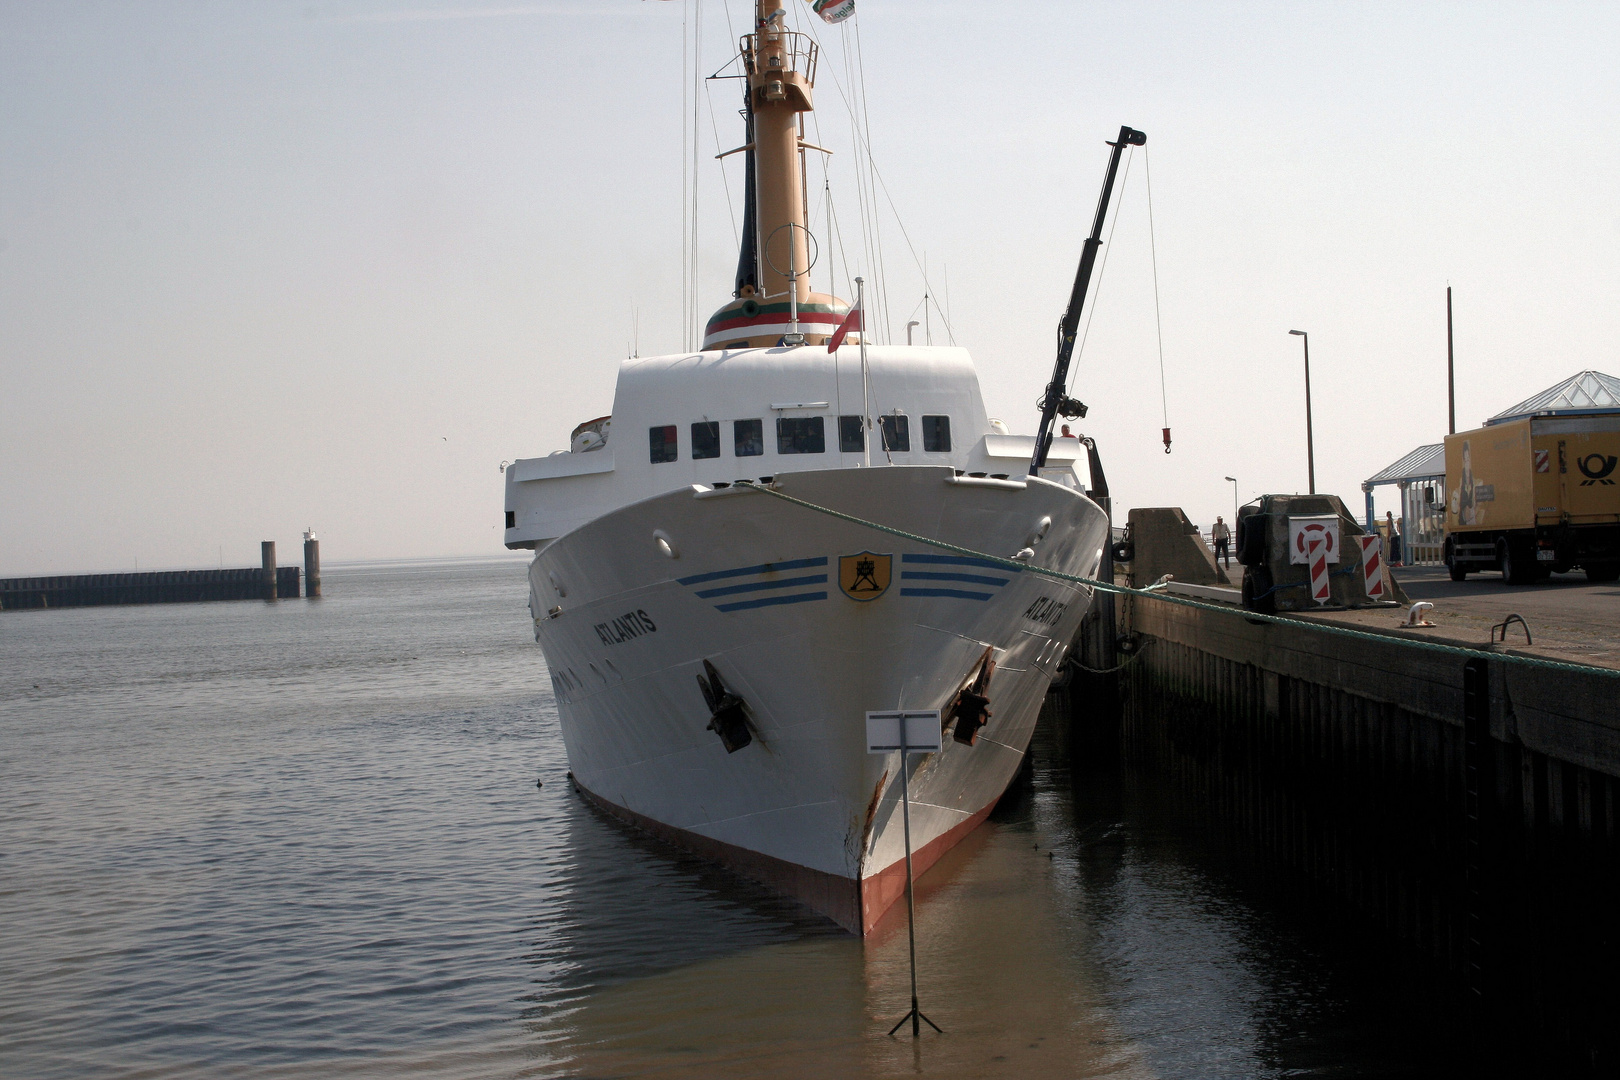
(1480,829)
(159,587)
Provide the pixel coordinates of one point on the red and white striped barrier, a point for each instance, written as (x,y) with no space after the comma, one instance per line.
(1316,554)
(1372,566)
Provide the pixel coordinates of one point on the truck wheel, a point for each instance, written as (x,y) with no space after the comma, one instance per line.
(1459,572)
(1517,569)
(1603,572)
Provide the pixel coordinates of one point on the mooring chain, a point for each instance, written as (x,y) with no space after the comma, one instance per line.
(1252,616)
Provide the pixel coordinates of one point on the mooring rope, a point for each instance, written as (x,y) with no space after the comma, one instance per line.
(1198,605)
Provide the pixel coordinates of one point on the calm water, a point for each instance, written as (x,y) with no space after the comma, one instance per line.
(304,839)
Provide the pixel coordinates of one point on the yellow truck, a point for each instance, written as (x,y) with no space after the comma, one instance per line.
(1534,496)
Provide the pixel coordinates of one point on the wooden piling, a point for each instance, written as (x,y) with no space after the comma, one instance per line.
(312,565)
(267,550)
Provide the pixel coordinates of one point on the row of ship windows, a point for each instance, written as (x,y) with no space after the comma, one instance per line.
(799,435)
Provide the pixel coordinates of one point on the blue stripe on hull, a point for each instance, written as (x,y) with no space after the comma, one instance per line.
(960,560)
(972,579)
(744,571)
(760,586)
(770,601)
(958,594)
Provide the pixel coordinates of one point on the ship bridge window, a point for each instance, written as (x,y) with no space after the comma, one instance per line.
(851,437)
(748,438)
(661,441)
(937,434)
(706,439)
(896,432)
(800,435)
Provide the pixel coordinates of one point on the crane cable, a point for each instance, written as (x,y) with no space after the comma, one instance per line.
(1153,246)
(1102,268)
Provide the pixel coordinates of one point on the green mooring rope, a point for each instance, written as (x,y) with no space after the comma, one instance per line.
(1254,616)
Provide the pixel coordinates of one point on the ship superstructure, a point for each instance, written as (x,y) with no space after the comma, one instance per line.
(714,649)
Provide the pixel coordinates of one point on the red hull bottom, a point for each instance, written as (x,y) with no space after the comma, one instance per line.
(856,906)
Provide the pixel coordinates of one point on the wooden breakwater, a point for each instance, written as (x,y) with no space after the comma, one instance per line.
(1465,807)
(161,587)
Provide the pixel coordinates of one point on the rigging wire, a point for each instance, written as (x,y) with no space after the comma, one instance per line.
(1164,393)
(725,178)
(877,233)
(871,177)
(686,262)
(693,340)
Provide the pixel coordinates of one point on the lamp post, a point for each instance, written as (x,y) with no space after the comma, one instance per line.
(1310,443)
(1234,500)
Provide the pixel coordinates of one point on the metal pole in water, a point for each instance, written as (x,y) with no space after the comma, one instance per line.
(915,1015)
(267,550)
(312,564)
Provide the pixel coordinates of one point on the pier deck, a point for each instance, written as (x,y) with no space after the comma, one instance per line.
(1570,618)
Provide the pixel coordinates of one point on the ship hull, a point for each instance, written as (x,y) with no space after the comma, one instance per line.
(629,607)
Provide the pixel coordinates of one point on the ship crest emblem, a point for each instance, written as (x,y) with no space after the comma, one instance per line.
(865,575)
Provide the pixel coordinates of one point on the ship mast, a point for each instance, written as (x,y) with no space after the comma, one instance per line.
(773,301)
(778,93)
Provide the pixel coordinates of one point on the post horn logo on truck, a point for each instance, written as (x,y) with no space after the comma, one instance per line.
(1596,468)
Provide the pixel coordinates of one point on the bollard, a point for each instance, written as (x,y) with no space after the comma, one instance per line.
(267,549)
(312,564)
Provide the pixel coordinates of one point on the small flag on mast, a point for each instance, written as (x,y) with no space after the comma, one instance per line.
(834,11)
(852,321)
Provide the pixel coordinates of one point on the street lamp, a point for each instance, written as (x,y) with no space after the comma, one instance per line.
(1234,500)
(1310,444)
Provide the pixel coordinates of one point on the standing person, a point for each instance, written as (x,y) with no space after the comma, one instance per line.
(1392,539)
(1223,541)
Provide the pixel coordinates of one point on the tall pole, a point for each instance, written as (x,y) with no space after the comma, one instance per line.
(911,906)
(915,1016)
(1057,390)
(1310,440)
(866,393)
(1451,379)
(1235,506)
(793,292)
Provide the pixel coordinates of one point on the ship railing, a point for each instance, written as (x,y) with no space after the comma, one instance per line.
(799,52)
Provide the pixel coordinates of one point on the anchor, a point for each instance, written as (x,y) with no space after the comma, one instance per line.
(727,719)
(971,709)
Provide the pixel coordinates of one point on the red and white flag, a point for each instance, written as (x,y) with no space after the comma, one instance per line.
(833,11)
(852,321)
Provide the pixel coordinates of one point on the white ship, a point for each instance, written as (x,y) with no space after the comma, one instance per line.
(714,648)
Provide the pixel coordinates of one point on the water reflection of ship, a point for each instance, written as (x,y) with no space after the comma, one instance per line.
(711,683)
(772,999)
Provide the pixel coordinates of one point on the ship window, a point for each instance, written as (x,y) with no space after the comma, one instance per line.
(706,439)
(851,438)
(511,519)
(748,438)
(800,435)
(896,432)
(662,443)
(937,434)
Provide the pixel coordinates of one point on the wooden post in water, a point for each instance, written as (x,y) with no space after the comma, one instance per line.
(267,549)
(312,564)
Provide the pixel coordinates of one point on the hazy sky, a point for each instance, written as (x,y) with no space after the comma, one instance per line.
(269,265)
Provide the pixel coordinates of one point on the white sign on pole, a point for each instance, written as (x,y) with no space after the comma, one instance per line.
(1302,530)
(920,730)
